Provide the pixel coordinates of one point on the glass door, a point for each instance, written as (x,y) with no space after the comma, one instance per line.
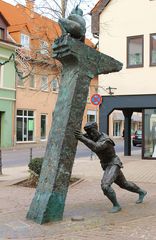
(149,136)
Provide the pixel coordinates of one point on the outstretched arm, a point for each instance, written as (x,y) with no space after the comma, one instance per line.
(88,142)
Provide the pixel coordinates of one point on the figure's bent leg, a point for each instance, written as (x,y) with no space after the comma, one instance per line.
(109,176)
(130,186)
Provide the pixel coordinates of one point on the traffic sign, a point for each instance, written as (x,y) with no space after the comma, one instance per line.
(96,99)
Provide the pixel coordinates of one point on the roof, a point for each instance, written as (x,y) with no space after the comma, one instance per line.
(95,13)
(89,43)
(8,44)
(4,19)
(35,22)
(100,5)
(17,28)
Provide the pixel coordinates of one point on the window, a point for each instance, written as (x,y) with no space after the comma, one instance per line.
(44,47)
(25,41)
(116,128)
(91,116)
(1,33)
(54,85)
(20,80)
(44,83)
(88,98)
(153,49)
(135,51)
(43,126)
(25,126)
(32,81)
(149,133)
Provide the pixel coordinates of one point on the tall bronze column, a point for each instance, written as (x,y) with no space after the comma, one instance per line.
(80,64)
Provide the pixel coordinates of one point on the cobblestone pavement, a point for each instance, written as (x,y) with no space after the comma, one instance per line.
(86,200)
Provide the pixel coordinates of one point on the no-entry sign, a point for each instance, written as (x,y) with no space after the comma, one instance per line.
(96,99)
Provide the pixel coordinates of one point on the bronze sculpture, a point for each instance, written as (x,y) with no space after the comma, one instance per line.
(81,63)
(74,25)
(103,146)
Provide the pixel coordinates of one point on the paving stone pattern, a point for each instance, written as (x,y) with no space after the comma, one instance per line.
(86,200)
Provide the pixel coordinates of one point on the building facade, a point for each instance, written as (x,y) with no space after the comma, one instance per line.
(130,38)
(38,76)
(7,88)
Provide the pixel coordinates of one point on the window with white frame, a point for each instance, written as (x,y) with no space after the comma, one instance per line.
(116,128)
(19,79)
(25,40)
(135,51)
(24,125)
(43,126)
(32,81)
(44,83)
(44,47)
(91,116)
(54,85)
(153,49)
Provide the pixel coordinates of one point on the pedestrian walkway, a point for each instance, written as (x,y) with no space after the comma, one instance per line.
(14,174)
(84,201)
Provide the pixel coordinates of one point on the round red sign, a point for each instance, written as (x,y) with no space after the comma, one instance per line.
(96,99)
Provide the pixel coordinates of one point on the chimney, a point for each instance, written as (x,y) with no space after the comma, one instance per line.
(30,5)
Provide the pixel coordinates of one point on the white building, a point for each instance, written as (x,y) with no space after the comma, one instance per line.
(127,32)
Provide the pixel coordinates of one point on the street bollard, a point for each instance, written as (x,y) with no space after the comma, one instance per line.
(91,155)
(30,154)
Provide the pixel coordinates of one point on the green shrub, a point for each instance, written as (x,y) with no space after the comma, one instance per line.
(35,165)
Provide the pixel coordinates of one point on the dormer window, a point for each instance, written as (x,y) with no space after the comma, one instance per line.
(2,33)
(3,27)
(25,41)
(44,47)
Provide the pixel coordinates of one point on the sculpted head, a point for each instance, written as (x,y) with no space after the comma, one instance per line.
(77,11)
(91,129)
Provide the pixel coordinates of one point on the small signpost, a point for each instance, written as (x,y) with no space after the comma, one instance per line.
(96,99)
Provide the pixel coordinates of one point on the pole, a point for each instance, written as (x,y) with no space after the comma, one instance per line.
(30,154)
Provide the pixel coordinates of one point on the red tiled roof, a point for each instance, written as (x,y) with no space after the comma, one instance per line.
(17,17)
(38,25)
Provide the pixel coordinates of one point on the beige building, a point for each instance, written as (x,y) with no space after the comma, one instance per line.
(37,74)
(127,32)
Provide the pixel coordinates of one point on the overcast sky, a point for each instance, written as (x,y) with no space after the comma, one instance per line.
(85,5)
